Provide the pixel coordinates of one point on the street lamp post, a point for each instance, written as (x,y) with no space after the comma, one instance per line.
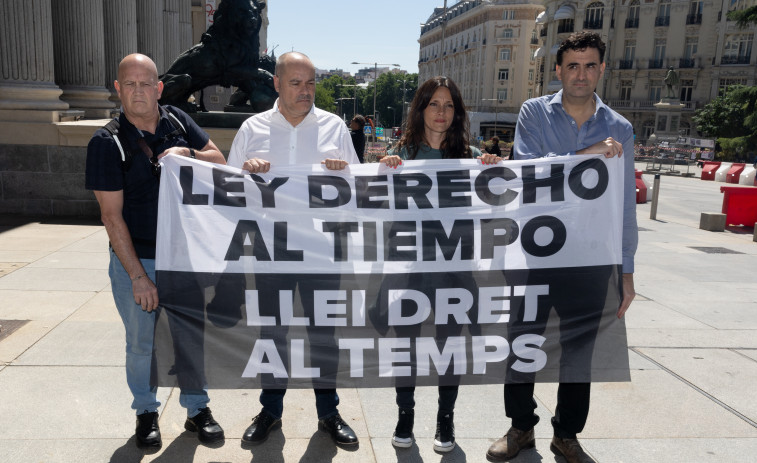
(375,81)
(393,120)
(496,112)
(354,98)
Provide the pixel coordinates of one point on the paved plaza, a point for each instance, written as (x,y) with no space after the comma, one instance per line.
(692,335)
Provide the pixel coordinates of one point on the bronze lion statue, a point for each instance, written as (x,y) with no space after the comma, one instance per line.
(228,55)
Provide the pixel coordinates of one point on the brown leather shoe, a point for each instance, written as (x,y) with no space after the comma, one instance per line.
(570,449)
(511,443)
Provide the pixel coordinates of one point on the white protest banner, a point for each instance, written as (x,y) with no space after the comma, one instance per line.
(441,272)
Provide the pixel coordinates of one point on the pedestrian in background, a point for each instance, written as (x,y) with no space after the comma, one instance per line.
(358,136)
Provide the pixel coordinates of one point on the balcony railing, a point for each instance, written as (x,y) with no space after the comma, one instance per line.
(644,104)
(625,64)
(632,23)
(662,21)
(686,63)
(694,19)
(735,60)
(655,63)
(534,41)
(596,24)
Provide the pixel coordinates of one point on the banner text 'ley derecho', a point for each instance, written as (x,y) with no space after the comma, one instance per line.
(442,272)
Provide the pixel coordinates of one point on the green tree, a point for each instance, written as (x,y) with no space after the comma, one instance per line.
(341,93)
(744,17)
(324,98)
(732,118)
(389,97)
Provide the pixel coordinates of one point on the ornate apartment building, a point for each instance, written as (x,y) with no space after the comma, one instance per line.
(488,48)
(647,37)
(644,39)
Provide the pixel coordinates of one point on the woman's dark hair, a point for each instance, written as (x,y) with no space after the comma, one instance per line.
(455,144)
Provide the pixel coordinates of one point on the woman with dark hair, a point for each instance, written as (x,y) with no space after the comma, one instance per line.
(437,128)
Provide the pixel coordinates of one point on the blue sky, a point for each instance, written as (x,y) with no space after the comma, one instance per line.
(334,33)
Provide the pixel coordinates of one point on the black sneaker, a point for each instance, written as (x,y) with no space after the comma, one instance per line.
(340,432)
(444,440)
(207,429)
(403,433)
(148,432)
(261,426)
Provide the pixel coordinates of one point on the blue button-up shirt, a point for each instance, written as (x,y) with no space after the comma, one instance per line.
(545,129)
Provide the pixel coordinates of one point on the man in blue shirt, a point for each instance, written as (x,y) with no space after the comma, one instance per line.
(573,121)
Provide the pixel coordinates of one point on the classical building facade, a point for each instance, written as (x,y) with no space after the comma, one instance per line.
(647,37)
(58,61)
(489,49)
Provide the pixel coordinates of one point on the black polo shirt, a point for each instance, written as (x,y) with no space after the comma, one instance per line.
(105,171)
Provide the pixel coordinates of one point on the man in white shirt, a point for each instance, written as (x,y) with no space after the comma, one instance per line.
(294,131)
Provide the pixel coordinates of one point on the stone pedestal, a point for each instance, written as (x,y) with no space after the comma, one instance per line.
(27,78)
(79,48)
(668,119)
(120,19)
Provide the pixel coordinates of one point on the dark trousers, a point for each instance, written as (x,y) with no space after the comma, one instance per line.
(447,397)
(579,303)
(323,349)
(570,414)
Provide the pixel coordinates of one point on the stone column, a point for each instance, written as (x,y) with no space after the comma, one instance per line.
(172,45)
(150,31)
(185,25)
(120,18)
(27,80)
(79,48)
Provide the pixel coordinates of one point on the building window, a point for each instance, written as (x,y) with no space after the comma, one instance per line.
(503,74)
(690,49)
(504,54)
(501,93)
(507,33)
(629,50)
(647,128)
(689,52)
(663,13)
(738,49)
(625,90)
(530,74)
(725,83)
(509,14)
(687,87)
(738,5)
(655,90)
(530,93)
(632,21)
(695,12)
(593,16)
(659,54)
(565,26)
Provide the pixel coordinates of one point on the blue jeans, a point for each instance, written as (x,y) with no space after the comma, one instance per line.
(326,401)
(140,331)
